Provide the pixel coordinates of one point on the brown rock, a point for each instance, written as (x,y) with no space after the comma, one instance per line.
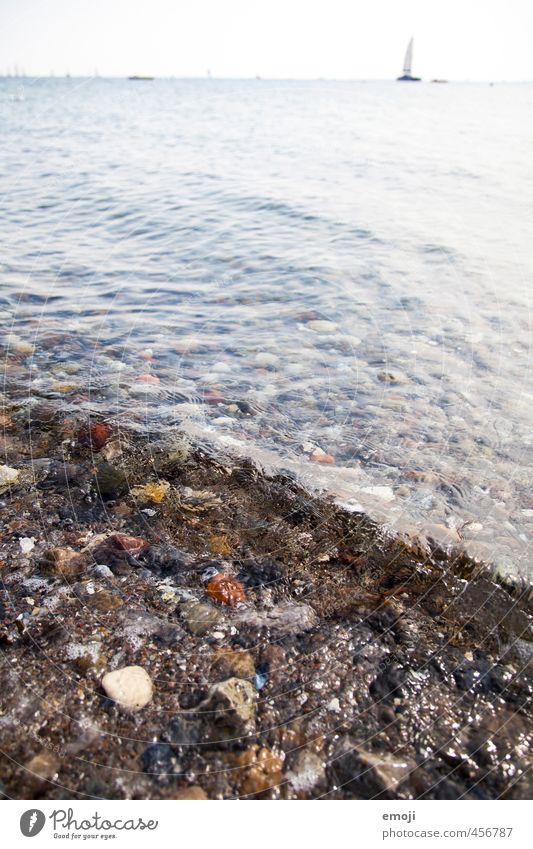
(194,792)
(130,545)
(64,561)
(225,589)
(97,435)
(104,601)
(43,767)
(232,664)
(261,770)
(319,456)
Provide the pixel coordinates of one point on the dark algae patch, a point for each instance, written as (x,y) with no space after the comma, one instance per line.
(269,644)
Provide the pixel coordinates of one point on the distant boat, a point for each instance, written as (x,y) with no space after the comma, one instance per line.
(407,76)
(136,77)
(439,81)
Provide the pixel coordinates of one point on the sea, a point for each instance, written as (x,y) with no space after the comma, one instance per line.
(331,277)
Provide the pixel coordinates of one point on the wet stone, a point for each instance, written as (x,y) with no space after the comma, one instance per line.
(200,618)
(166,559)
(307,772)
(43,767)
(257,573)
(183,732)
(159,760)
(130,687)
(259,770)
(63,562)
(232,704)
(283,619)
(192,793)
(370,774)
(228,663)
(8,477)
(110,482)
(226,590)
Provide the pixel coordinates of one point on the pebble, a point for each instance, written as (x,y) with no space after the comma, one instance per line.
(44,766)
(228,663)
(387,771)
(153,492)
(160,760)
(166,559)
(148,378)
(226,590)
(319,456)
(130,687)
(63,561)
(265,359)
(131,545)
(232,704)
(200,618)
(322,326)
(260,770)
(8,477)
(285,618)
(192,793)
(27,544)
(112,450)
(384,493)
(102,571)
(111,482)
(96,435)
(307,772)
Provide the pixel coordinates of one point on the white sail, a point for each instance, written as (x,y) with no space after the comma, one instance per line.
(408,61)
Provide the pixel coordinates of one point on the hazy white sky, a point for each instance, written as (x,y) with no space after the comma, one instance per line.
(354,39)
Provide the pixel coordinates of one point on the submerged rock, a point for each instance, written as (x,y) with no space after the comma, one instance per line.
(285,618)
(322,326)
(63,562)
(307,772)
(167,559)
(8,477)
(200,618)
(371,774)
(160,760)
(130,687)
(260,770)
(230,705)
(110,481)
(226,590)
(228,663)
(192,793)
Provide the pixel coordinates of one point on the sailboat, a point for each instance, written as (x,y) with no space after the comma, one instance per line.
(407,63)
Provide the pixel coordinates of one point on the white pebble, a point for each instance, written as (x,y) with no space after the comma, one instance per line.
(8,476)
(322,326)
(26,544)
(130,687)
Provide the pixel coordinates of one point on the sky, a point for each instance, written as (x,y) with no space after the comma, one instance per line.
(339,39)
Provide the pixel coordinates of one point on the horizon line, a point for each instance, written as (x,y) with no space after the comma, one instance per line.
(256,78)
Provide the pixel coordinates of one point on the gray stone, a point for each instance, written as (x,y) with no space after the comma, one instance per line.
(232,704)
(200,618)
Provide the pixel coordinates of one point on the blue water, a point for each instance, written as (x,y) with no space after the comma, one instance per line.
(167,247)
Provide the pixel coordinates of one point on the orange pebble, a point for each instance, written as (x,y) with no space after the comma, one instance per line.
(96,435)
(148,378)
(225,589)
(327,459)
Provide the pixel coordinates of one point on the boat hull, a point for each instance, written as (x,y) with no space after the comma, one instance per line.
(407,78)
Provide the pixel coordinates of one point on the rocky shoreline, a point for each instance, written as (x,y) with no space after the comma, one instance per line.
(179,624)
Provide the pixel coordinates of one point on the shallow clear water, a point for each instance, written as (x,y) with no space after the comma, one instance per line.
(167,247)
